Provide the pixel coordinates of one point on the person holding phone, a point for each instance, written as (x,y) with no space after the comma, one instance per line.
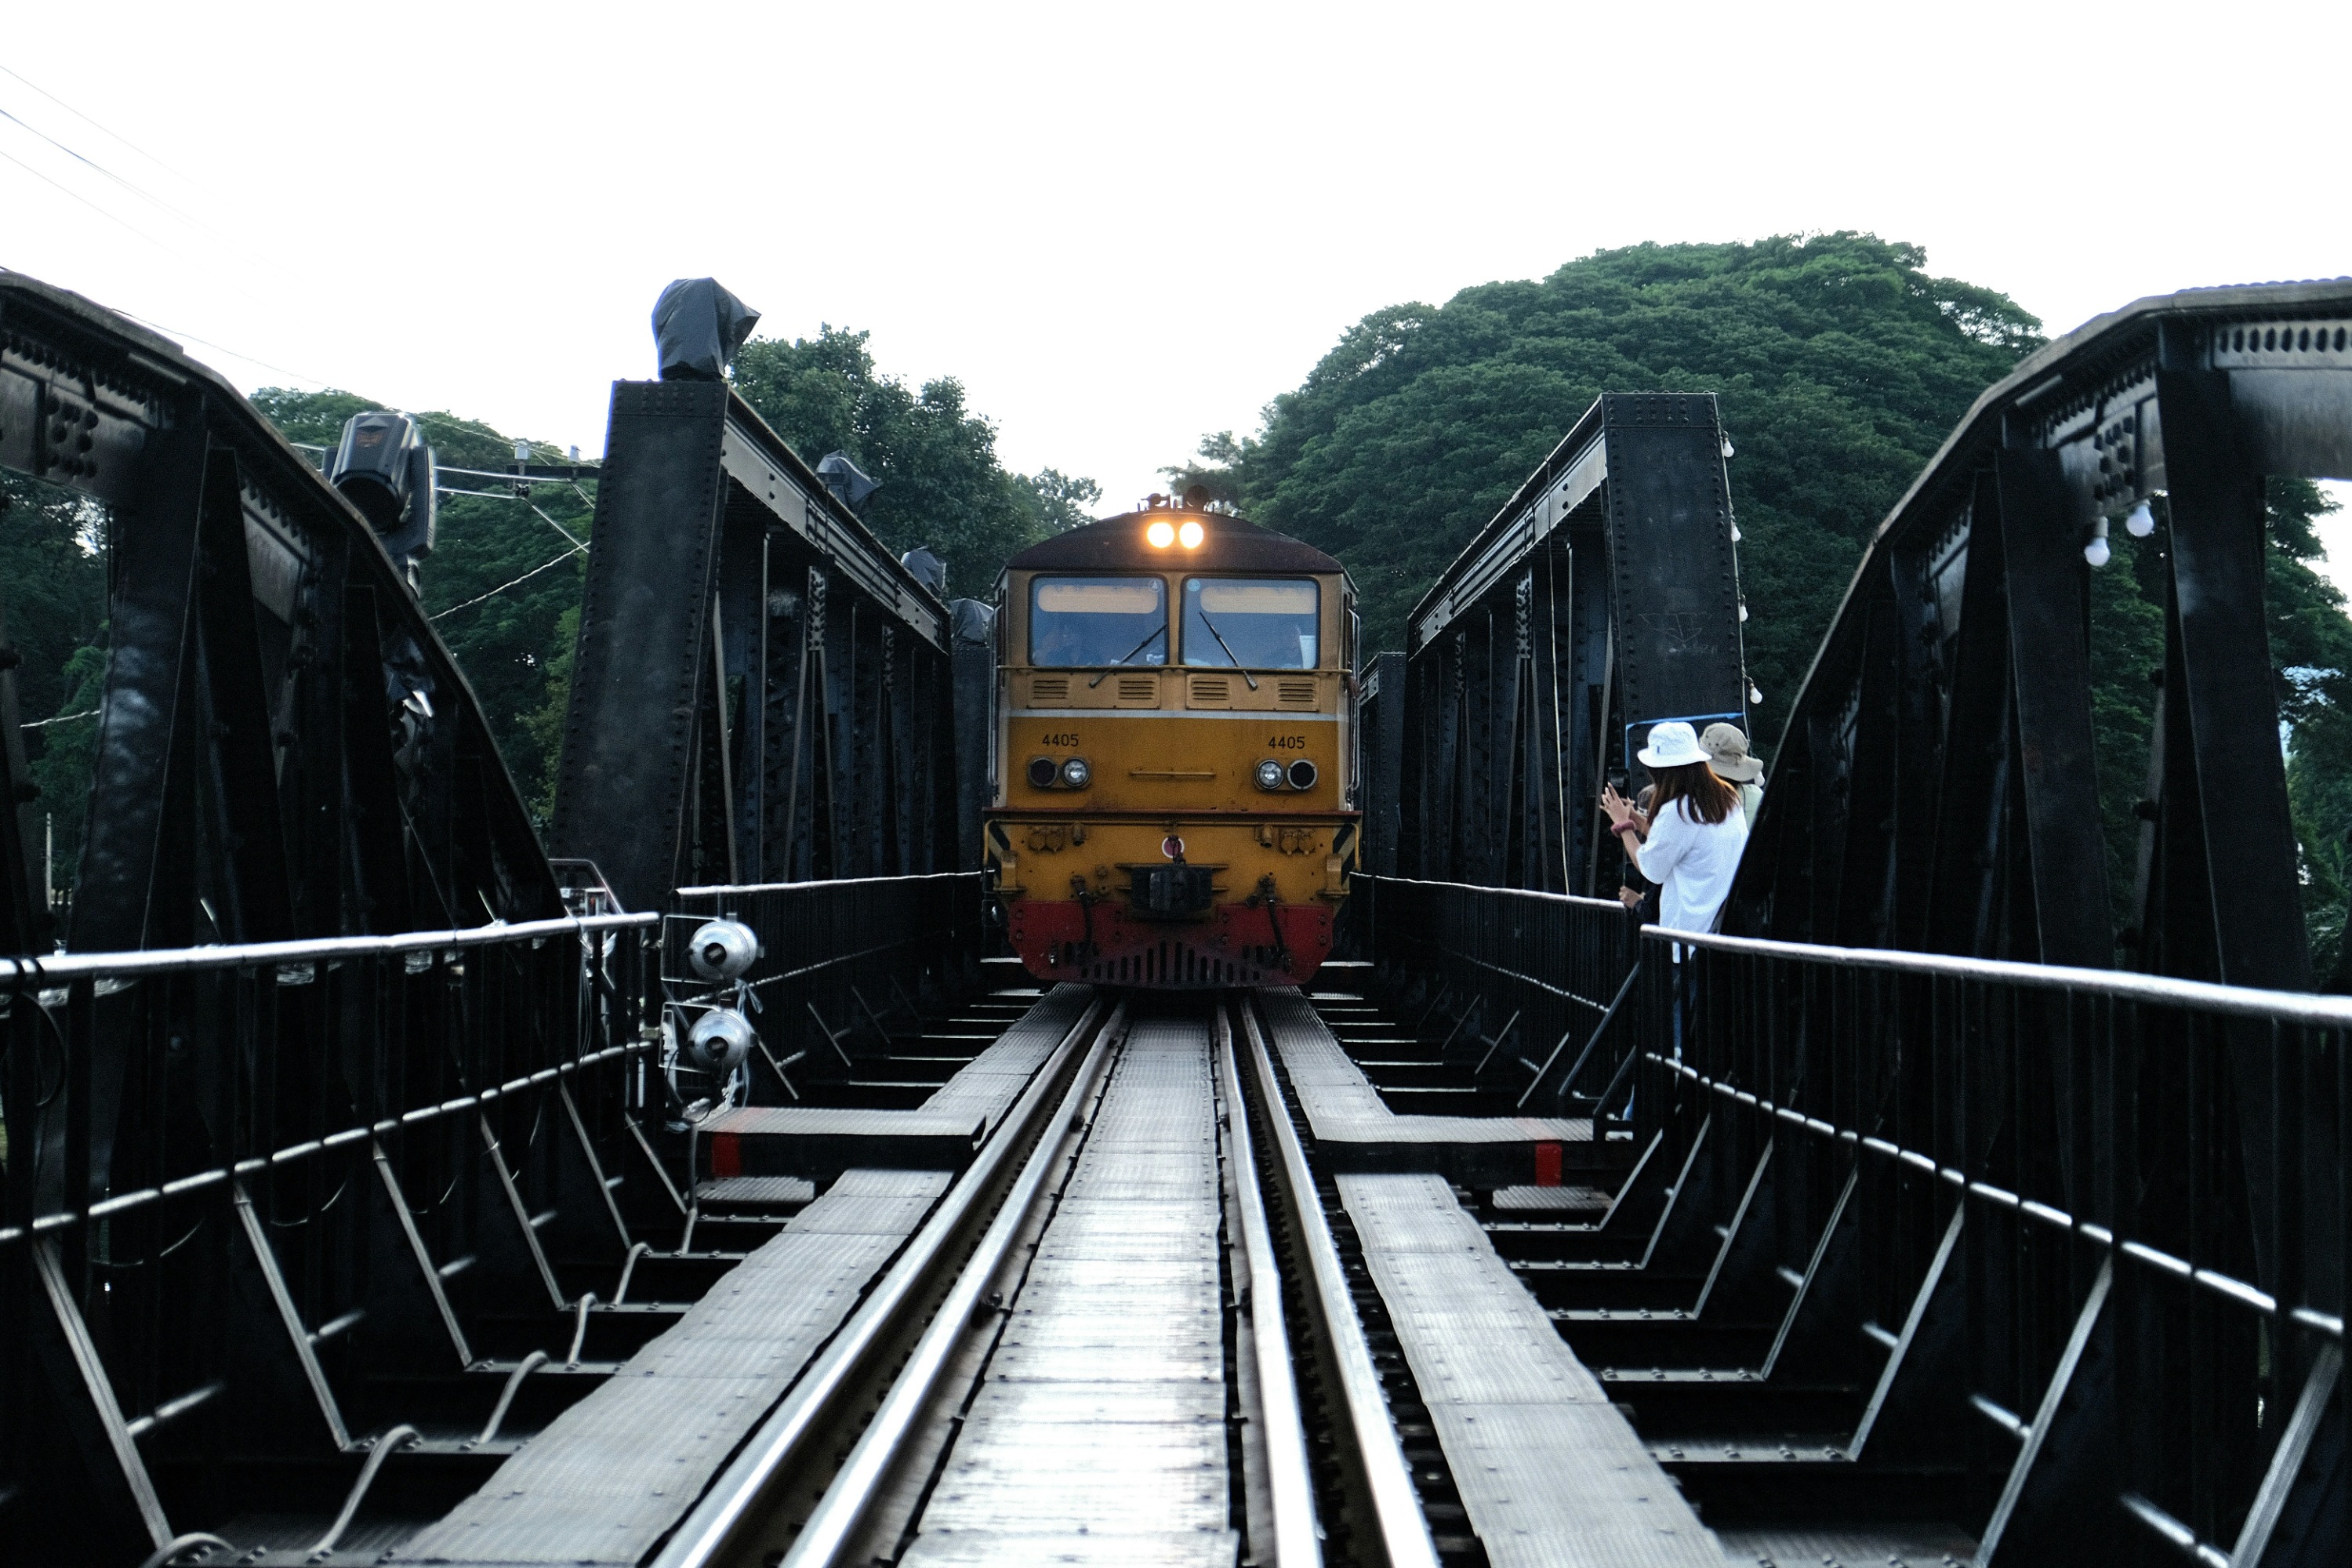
(1690,839)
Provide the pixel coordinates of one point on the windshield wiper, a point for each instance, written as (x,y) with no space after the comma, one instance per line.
(1157,631)
(1226,646)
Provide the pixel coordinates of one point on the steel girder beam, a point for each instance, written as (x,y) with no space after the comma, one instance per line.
(1603,598)
(1380,731)
(23,915)
(1959,668)
(285,752)
(285,748)
(761,692)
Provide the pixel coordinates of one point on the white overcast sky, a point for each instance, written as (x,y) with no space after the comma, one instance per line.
(1120,226)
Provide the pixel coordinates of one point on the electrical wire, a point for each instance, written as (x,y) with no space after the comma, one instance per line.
(320,382)
(504,587)
(93,206)
(61,719)
(147,196)
(93,124)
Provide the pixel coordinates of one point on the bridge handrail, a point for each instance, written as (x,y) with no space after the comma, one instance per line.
(1572,899)
(246,955)
(720,889)
(2242,1001)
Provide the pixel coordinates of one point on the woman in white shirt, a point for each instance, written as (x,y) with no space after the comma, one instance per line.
(1696,830)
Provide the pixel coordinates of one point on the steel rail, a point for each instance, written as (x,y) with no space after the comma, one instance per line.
(725,1524)
(251,955)
(1290,1484)
(1405,1539)
(838,1513)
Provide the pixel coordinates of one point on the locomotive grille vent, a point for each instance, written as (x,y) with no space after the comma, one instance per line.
(1045,689)
(1139,690)
(1212,691)
(1295,693)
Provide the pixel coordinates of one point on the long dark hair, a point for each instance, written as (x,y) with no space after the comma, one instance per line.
(1706,795)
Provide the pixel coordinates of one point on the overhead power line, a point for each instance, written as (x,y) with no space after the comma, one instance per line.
(504,587)
(112,218)
(93,124)
(79,157)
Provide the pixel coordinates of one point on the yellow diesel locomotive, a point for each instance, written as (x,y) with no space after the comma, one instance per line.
(1173,754)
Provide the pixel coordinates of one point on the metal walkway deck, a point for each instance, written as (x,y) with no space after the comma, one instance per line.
(805,1140)
(1099,1433)
(1549,1472)
(1354,1128)
(613,1474)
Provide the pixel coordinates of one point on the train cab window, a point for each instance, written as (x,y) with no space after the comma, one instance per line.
(1258,623)
(1086,621)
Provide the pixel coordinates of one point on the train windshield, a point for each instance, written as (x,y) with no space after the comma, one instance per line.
(1261,623)
(1083,621)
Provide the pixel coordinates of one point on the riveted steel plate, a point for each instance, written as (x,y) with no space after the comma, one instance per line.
(1099,1434)
(756,1190)
(971,1549)
(1549,1472)
(1116,1403)
(611,1474)
(1549,1200)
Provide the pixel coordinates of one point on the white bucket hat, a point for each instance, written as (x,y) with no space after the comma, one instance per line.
(1672,744)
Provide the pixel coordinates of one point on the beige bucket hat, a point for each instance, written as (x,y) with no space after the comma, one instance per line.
(1727,753)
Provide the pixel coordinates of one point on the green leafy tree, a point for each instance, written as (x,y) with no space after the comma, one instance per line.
(1841,364)
(2311,648)
(942,485)
(502,577)
(53,591)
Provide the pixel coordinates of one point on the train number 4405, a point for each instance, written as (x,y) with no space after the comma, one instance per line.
(1289,742)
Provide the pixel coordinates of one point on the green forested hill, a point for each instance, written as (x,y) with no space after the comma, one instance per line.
(1841,364)
(942,484)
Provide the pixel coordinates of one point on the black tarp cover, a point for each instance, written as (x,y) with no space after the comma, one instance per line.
(697,326)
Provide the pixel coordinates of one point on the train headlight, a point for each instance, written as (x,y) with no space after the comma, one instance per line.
(1075,775)
(1302,775)
(1042,773)
(1269,774)
(1162,535)
(1190,535)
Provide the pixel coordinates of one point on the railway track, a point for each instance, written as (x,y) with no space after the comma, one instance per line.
(1140,1325)
(1090,1358)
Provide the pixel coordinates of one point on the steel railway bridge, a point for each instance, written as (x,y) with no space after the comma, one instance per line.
(380,1190)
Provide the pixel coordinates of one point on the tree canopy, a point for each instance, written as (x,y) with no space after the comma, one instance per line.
(942,485)
(1841,365)
(503,584)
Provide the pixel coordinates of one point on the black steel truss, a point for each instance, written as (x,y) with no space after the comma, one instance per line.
(1925,1237)
(285,748)
(761,692)
(1601,599)
(1935,788)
